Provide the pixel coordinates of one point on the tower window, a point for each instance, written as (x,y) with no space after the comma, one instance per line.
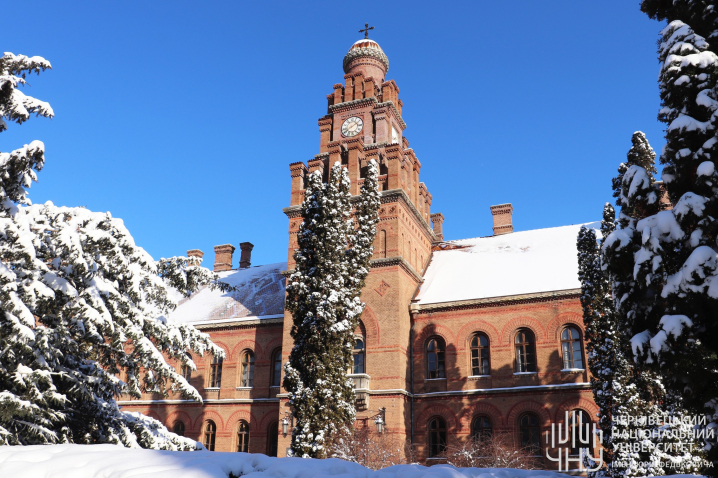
(480,355)
(359,356)
(276,367)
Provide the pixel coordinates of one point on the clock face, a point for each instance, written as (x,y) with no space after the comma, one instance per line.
(352,126)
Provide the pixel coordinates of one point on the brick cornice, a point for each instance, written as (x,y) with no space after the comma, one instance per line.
(497,301)
(348,105)
(390,104)
(396,261)
(392,195)
(383,262)
(239,323)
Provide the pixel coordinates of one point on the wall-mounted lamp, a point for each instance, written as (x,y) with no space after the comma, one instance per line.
(380,420)
(285,423)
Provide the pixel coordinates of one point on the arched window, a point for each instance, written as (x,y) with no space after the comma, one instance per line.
(243,436)
(481,428)
(359,355)
(178,428)
(480,355)
(571,348)
(216,375)
(276,367)
(247,369)
(530,434)
(272,439)
(210,434)
(437,436)
(580,434)
(525,351)
(186,370)
(435,358)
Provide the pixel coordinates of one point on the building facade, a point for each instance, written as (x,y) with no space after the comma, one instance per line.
(458,337)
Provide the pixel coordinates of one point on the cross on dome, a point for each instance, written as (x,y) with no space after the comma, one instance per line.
(365,30)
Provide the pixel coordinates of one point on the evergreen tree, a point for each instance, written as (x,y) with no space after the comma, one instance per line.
(332,261)
(80,304)
(663,268)
(613,378)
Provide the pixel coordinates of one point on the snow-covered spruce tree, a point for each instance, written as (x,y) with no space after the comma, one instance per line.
(332,261)
(663,268)
(80,304)
(613,376)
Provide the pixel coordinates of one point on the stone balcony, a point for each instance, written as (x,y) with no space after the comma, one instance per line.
(361,389)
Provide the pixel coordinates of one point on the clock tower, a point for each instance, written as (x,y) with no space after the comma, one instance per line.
(363,122)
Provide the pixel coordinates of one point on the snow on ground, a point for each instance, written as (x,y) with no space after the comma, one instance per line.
(260,293)
(112,461)
(541,260)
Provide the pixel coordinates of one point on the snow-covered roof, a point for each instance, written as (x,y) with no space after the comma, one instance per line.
(260,293)
(526,262)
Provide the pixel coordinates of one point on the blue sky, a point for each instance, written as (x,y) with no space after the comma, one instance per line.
(181,117)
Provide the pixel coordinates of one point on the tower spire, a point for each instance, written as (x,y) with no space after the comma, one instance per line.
(365,30)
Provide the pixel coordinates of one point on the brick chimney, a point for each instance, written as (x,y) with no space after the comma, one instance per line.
(196,253)
(502,218)
(437,222)
(246,257)
(223,257)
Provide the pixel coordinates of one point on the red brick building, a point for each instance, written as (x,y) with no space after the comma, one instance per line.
(457,336)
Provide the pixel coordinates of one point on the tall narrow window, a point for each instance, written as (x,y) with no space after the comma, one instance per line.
(435,358)
(243,436)
(437,436)
(525,351)
(178,428)
(186,370)
(272,439)
(571,348)
(530,433)
(480,355)
(359,355)
(382,243)
(216,375)
(580,434)
(210,434)
(481,428)
(276,367)
(247,369)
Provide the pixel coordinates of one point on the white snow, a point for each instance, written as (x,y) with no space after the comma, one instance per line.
(540,260)
(706,168)
(105,461)
(260,293)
